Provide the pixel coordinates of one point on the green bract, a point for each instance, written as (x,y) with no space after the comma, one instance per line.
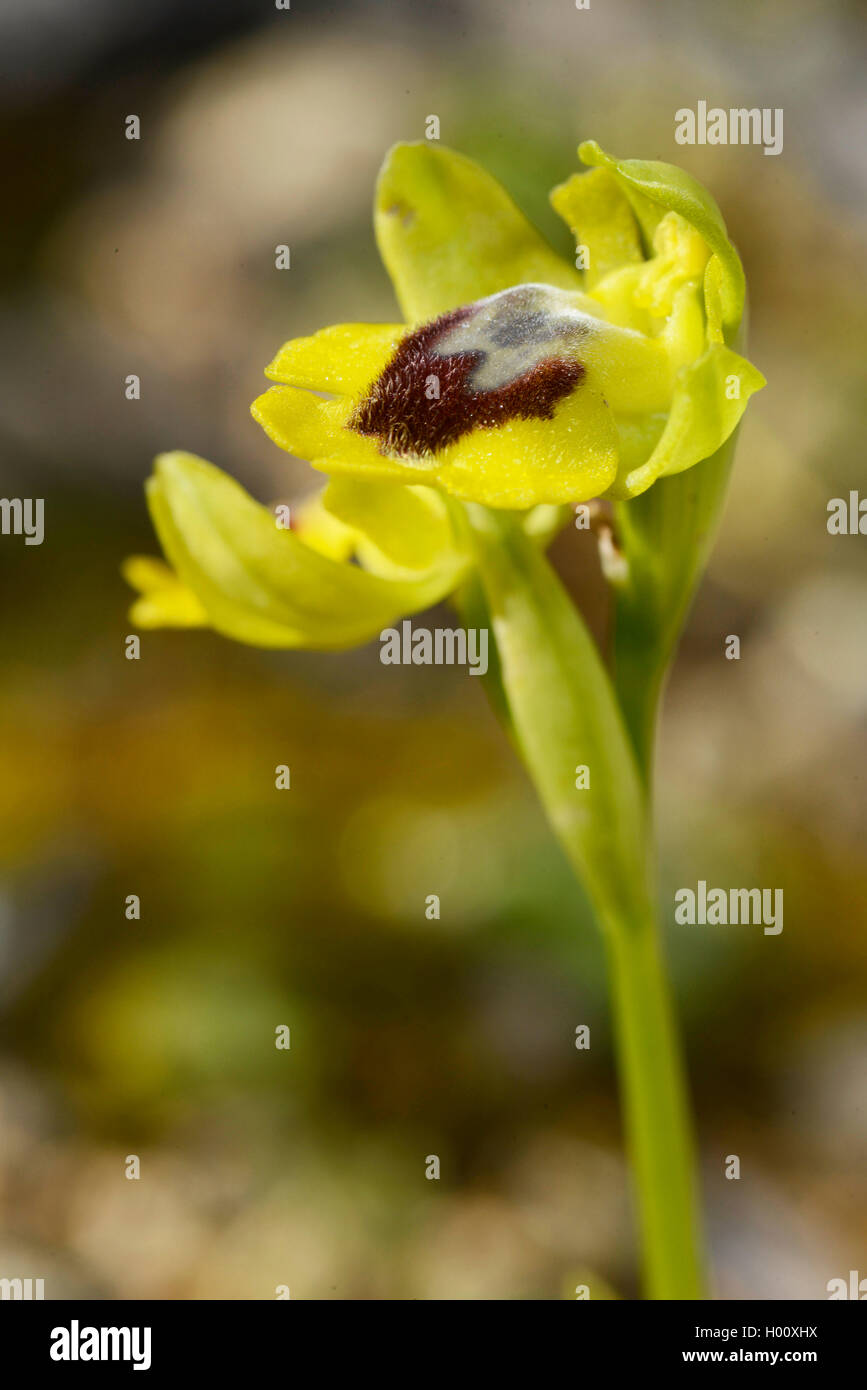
(517,380)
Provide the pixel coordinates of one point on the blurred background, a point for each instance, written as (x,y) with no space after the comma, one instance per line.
(409,1037)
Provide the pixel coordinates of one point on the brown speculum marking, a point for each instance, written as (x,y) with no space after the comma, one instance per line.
(512,356)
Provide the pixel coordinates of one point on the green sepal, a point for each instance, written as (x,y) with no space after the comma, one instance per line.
(449,233)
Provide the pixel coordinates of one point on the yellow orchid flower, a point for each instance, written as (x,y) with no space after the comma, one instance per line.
(517,381)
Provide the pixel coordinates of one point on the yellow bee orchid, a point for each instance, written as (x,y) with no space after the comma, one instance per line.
(517,383)
(517,380)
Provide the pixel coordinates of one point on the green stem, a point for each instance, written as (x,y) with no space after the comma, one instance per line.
(640,669)
(667,535)
(563,713)
(654,1096)
(656,1112)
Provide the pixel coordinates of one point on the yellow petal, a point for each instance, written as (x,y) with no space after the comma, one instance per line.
(600,218)
(164,601)
(654,188)
(261,584)
(710,397)
(569,458)
(341,359)
(399,531)
(316,430)
(318,528)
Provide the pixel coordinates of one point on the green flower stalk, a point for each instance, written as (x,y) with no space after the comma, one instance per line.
(455,445)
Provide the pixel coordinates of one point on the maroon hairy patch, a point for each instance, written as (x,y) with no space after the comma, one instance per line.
(399,413)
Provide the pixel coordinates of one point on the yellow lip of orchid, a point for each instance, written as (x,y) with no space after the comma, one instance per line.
(517,381)
(506,401)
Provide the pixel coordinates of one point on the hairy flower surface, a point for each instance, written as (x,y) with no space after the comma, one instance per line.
(516,380)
